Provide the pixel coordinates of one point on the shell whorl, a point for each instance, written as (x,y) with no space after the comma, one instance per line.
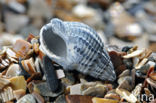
(85,51)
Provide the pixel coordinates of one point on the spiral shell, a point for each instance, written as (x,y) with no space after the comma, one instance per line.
(76,46)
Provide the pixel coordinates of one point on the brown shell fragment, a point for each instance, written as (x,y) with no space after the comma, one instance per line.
(153,75)
(103,100)
(117,60)
(112,96)
(78,99)
(151,82)
(34,76)
(30,37)
(21,47)
(29,65)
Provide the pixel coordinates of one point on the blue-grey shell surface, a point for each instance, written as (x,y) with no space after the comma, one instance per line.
(76,46)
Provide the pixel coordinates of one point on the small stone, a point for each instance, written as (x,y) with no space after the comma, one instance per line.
(51,77)
(69,79)
(61,99)
(126,48)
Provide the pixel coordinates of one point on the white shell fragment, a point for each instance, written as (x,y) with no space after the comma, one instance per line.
(7,94)
(134,54)
(76,46)
(60,74)
(13,70)
(126,95)
(141,63)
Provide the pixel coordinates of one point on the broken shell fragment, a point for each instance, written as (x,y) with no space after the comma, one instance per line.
(44,89)
(21,47)
(13,70)
(141,63)
(134,54)
(103,100)
(3,82)
(112,95)
(153,75)
(7,94)
(18,82)
(78,99)
(29,65)
(19,93)
(38,97)
(151,82)
(27,99)
(78,48)
(98,91)
(125,73)
(137,90)
(126,95)
(75,89)
(60,74)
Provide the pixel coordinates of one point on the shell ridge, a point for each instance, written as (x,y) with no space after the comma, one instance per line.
(85,49)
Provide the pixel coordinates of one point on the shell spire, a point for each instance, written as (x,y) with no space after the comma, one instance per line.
(76,46)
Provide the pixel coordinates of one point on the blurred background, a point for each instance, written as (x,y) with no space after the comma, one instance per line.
(118,22)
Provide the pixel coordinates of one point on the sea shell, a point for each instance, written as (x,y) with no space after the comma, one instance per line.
(76,46)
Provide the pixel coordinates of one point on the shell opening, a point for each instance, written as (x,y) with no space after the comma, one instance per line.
(54,43)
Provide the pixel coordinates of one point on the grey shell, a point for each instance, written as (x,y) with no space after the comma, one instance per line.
(76,46)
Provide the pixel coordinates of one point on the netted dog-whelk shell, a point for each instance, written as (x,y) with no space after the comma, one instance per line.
(76,46)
